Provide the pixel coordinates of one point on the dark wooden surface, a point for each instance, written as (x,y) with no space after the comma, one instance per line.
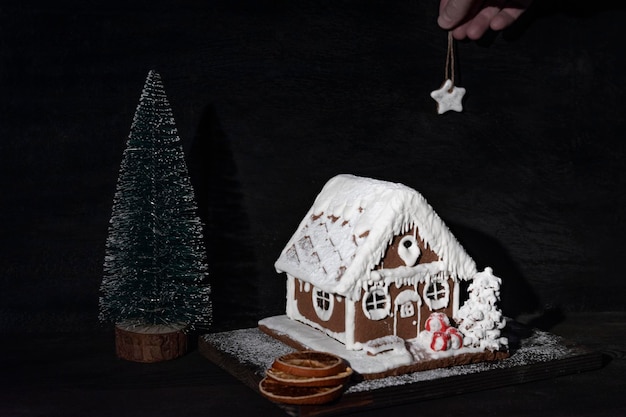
(548,361)
(78,375)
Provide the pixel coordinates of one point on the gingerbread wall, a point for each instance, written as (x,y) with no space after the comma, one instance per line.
(303,293)
(365,328)
(392,260)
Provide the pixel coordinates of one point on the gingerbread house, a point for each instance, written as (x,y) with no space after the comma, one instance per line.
(371,259)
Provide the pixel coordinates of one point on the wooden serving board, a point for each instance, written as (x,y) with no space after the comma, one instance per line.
(535,355)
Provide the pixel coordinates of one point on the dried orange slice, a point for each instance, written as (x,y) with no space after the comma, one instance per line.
(310,364)
(309,381)
(286,394)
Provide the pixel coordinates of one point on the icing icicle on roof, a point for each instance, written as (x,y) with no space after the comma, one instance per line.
(347,230)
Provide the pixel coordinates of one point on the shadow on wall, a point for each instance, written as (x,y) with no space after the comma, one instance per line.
(233,267)
(517,296)
(232,263)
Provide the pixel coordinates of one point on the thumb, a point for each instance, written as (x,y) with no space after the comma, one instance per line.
(452,12)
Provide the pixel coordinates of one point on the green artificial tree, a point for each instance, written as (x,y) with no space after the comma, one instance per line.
(155,271)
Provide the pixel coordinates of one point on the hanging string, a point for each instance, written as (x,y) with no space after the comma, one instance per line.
(448,96)
(449,70)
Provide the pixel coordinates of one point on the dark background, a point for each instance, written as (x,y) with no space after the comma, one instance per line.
(271,99)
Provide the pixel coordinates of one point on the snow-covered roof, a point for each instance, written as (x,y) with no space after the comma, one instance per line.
(347,230)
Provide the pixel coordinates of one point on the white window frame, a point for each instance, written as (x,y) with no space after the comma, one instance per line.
(439,296)
(407,310)
(324,311)
(411,254)
(376,303)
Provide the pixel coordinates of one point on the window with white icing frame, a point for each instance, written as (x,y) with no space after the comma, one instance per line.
(407,310)
(437,294)
(376,304)
(409,250)
(323,303)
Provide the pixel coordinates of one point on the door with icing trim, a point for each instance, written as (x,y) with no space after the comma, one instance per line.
(407,314)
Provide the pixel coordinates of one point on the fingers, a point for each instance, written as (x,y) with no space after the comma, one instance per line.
(505,18)
(452,12)
(476,27)
(472,18)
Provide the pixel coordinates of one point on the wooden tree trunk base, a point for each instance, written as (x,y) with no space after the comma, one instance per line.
(149,344)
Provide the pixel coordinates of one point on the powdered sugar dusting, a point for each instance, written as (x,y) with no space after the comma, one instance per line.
(257,350)
(250,347)
(539,347)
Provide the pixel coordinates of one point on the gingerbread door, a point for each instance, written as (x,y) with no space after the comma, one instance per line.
(407,314)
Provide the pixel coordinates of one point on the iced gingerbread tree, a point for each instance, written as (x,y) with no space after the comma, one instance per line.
(155,284)
(479,319)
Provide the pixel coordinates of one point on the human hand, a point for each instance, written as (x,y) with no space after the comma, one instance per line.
(472,18)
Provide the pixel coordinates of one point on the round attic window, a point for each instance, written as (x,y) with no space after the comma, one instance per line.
(409,250)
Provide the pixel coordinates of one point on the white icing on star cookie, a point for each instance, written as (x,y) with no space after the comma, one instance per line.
(448,97)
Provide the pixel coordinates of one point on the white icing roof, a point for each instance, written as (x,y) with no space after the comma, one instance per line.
(353,219)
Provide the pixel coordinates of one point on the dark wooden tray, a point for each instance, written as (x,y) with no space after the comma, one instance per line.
(535,355)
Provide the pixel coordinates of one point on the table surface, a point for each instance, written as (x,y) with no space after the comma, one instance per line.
(79,375)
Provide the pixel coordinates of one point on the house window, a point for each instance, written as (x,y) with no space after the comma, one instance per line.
(407,310)
(376,304)
(323,304)
(408,250)
(437,294)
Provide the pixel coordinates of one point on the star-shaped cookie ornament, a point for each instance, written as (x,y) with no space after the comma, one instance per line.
(448,97)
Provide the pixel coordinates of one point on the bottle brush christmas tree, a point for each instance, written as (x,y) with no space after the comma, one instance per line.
(155,285)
